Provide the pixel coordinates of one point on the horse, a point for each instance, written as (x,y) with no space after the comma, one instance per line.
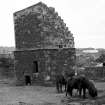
(60,81)
(81,83)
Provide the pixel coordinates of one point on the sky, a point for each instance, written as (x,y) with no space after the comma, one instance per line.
(84,18)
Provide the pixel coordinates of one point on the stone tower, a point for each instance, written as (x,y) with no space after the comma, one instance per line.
(44,45)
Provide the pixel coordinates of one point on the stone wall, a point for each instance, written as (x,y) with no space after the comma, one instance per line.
(42,39)
(95,72)
(39,26)
(50,62)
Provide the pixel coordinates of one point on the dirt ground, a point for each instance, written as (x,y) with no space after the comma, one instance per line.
(41,95)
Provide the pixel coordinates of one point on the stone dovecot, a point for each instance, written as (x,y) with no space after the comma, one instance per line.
(44,45)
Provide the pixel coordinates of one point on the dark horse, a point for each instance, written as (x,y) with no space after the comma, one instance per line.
(81,83)
(60,81)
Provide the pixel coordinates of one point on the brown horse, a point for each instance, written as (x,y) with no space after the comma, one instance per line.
(60,81)
(81,83)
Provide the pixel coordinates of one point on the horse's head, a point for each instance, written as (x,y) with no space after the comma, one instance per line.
(93,92)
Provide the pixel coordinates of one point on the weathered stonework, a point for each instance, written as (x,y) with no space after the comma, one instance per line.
(41,27)
(50,61)
(44,45)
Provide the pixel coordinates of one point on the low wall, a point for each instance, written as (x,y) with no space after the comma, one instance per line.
(94,72)
(7,72)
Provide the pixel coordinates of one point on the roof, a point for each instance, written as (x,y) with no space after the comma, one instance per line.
(30,7)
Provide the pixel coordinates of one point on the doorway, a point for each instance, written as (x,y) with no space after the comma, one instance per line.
(35,67)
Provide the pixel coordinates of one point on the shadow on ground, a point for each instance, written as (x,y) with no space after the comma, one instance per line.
(75,100)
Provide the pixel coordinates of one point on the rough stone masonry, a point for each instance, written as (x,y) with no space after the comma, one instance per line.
(44,45)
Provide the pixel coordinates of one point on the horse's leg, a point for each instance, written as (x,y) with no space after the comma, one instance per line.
(65,87)
(71,92)
(77,91)
(84,93)
(57,87)
(60,87)
(80,90)
(66,92)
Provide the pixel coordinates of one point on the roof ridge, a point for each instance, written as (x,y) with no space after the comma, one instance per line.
(39,3)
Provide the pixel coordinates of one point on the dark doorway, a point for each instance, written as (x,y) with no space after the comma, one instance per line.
(27,79)
(35,67)
(60,46)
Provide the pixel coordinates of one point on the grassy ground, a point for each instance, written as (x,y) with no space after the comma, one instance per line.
(41,95)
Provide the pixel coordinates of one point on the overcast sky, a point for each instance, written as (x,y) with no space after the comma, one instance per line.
(85,19)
